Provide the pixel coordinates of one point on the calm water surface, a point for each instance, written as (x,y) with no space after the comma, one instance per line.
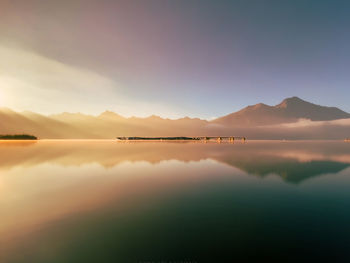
(107,201)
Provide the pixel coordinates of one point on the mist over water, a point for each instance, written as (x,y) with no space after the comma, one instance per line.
(108,201)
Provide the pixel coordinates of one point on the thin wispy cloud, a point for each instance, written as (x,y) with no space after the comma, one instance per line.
(29,81)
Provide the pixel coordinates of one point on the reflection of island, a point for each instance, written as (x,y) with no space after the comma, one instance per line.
(292,161)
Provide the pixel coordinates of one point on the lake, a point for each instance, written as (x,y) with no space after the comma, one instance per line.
(109,201)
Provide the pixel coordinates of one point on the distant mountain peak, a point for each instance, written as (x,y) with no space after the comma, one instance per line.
(7,110)
(292,101)
(109,115)
(294,98)
(289,110)
(260,105)
(153,117)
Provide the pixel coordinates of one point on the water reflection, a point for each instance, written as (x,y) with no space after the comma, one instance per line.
(99,201)
(292,161)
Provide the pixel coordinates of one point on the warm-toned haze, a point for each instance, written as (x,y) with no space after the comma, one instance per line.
(174,131)
(293,118)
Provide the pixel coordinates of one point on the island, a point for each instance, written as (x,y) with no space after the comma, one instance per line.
(205,138)
(17,137)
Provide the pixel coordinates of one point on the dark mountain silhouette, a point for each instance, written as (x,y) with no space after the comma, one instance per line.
(289,110)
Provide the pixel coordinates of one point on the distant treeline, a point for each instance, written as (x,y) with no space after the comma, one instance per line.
(17,137)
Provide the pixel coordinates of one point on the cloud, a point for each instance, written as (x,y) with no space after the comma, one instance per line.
(304,123)
(28,80)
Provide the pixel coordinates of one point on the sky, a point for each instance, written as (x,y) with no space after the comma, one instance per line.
(197,58)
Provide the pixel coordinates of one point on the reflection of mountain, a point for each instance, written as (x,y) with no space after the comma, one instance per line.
(45,201)
(288,169)
(259,122)
(293,161)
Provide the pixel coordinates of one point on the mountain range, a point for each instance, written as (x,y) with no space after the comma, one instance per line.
(289,110)
(293,118)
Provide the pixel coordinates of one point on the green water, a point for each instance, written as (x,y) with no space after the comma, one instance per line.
(104,201)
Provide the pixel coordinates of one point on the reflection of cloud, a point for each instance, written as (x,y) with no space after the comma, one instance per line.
(309,157)
(70,191)
(109,153)
(78,176)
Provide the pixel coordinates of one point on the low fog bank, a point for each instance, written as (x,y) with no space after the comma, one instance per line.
(301,130)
